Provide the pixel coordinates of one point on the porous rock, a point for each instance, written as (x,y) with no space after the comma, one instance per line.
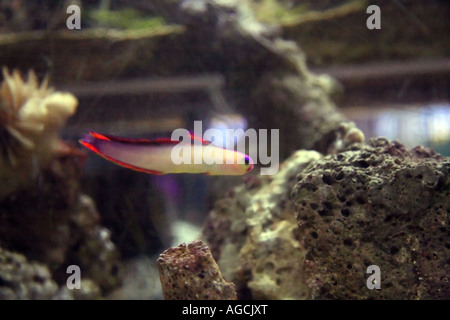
(53,223)
(372,204)
(191,273)
(21,279)
(376,204)
(253,234)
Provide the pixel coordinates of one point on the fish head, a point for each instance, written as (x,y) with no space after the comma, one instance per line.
(241,165)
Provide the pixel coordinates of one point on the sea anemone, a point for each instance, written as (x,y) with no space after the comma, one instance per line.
(30,116)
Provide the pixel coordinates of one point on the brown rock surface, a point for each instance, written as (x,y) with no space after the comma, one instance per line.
(191,273)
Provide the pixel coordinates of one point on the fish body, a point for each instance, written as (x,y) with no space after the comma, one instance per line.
(157,156)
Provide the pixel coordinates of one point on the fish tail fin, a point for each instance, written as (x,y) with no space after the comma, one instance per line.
(91,140)
(95,142)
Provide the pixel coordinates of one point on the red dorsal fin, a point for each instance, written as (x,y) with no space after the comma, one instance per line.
(156,141)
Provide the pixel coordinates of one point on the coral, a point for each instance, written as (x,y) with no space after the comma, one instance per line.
(31,114)
(30,117)
(376,204)
(252,234)
(191,273)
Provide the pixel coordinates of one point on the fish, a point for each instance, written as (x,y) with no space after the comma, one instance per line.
(157,156)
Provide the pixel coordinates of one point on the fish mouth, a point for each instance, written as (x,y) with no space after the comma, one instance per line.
(249,168)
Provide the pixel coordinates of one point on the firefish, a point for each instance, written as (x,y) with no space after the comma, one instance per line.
(162,156)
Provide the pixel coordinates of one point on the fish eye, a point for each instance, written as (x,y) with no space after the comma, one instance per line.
(247,160)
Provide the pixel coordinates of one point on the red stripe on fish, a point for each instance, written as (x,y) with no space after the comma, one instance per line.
(98,136)
(156,141)
(91,147)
